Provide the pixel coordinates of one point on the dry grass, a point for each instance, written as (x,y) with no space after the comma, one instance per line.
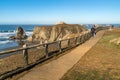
(17,60)
(102,62)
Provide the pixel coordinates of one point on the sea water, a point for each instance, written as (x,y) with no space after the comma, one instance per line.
(10,30)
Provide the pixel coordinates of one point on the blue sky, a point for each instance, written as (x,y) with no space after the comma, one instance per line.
(52,11)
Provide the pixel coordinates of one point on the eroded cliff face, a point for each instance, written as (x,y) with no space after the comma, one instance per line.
(53,33)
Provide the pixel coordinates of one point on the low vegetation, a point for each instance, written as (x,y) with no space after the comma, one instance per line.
(102,62)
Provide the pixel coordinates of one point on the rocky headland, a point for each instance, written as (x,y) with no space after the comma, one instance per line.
(53,33)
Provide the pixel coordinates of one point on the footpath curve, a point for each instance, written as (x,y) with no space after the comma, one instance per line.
(55,69)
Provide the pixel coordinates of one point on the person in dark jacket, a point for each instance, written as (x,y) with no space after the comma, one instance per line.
(93,30)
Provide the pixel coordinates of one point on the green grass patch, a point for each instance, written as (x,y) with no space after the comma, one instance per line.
(105,41)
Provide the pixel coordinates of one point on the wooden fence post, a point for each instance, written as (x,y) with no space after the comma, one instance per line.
(68,42)
(76,41)
(25,53)
(83,38)
(80,39)
(90,34)
(60,49)
(87,35)
(46,49)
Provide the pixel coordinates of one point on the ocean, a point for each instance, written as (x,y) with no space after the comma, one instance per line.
(9,30)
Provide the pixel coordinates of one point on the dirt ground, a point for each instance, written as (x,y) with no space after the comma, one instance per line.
(102,62)
(17,60)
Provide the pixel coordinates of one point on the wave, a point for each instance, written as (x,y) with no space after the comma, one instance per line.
(3,39)
(7,34)
(4,31)
(5,42)
(7,31)
(4,35)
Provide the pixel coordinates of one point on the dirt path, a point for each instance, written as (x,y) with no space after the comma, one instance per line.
(55,69)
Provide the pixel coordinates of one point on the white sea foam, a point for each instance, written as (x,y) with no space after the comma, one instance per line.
(5,42)
(4,36)
(28,33)
(7,34)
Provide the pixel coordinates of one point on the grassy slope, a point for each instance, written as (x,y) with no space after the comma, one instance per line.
(102,62)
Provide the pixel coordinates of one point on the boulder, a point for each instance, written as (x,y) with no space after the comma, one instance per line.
(20,34)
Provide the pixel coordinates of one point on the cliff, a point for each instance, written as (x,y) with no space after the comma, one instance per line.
(53,33)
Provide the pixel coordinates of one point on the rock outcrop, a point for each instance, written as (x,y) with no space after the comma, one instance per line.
(53,33)
(60,23)
(20,34)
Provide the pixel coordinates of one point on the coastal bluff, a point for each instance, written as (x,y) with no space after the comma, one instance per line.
(61,31)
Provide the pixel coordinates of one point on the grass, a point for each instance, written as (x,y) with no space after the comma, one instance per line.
(105,41)
(89,75)
(102,62)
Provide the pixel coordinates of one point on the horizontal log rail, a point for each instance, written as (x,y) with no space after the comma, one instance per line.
(78,40)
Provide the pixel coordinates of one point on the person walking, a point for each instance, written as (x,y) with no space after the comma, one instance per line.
(93,30)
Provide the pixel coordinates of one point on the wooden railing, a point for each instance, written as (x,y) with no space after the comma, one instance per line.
(25,51)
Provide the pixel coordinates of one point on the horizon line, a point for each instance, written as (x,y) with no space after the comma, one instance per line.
(49,23)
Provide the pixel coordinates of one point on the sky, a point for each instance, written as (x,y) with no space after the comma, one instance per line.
(53,11)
